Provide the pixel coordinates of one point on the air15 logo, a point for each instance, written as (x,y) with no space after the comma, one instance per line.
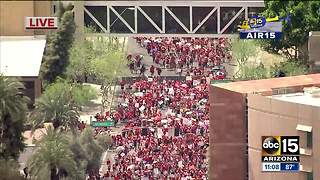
(280,145)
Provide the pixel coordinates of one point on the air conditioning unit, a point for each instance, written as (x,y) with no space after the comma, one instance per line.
(312,91)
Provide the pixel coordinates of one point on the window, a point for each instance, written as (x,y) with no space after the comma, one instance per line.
(280,91)
(309,176)
(309,139)
(54,9)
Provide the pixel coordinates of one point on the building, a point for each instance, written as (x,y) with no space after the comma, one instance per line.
(20,57)
(242,112)
(21,50)
(13,13)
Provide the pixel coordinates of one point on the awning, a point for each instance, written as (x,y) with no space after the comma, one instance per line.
(21,57)
(301,127)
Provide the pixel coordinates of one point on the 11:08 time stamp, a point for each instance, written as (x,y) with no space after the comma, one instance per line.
(280,167)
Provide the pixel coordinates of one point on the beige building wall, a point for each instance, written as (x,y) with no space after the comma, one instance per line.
(13,13)
(267,116)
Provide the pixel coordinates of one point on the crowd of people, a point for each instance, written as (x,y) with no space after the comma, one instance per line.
(184,55)
(166,133)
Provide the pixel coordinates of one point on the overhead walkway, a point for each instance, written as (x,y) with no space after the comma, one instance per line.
(165,18)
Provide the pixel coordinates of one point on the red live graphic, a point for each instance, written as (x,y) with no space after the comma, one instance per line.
(41,23)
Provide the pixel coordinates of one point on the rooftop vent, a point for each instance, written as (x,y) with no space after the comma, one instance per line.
(312,91)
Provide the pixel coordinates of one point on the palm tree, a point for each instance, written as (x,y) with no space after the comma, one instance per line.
(56,105)
(13,107)
(54,159)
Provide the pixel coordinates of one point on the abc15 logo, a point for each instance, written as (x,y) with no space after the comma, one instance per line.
(280,145)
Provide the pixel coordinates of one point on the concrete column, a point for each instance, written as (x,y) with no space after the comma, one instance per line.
(79,19)
(314,51)
(37,88)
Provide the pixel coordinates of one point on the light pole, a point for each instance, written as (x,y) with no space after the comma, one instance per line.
(130,8)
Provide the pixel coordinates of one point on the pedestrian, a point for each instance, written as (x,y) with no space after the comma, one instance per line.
(122,84)
(152,70)
(25,171)
(142,70)
(131,66)
(159,71)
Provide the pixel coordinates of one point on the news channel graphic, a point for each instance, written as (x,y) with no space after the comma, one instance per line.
(41,23)
(280,154)
(258,27)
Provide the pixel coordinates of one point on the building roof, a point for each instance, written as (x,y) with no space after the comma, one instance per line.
(265,85)
(21,56)
(299,98)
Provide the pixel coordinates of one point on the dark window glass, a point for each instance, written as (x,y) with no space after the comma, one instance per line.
(309,139)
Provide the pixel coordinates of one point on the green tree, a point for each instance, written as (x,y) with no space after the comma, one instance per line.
(289,68)
(304,17)
(107,69)
(9,169)
(60,104)
(81,55)
(242,50)
(61,9)
(56,55)
(92,148)
(80,155)
(253,72)
(104,140)
(83,94)
(53,159)
(87,149)
(13,107)
(56,105)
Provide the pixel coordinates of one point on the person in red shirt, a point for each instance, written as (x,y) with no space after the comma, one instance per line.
(122,84)
(107,114)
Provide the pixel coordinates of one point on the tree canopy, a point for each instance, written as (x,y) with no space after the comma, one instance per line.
(13,107)
(81,57)
(9,170)
(81,150)
(56,55)
(60,104)
(56,105)
(242,50)
(53,159)
(304,17)
(102,60)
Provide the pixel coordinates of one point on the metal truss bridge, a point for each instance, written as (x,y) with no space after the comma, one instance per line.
(165,18)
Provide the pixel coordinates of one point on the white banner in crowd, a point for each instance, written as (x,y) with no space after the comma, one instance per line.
(196,82)
(186,121)
(138,94)
(159,133)
(171,132)
(142,108)
(171,91)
